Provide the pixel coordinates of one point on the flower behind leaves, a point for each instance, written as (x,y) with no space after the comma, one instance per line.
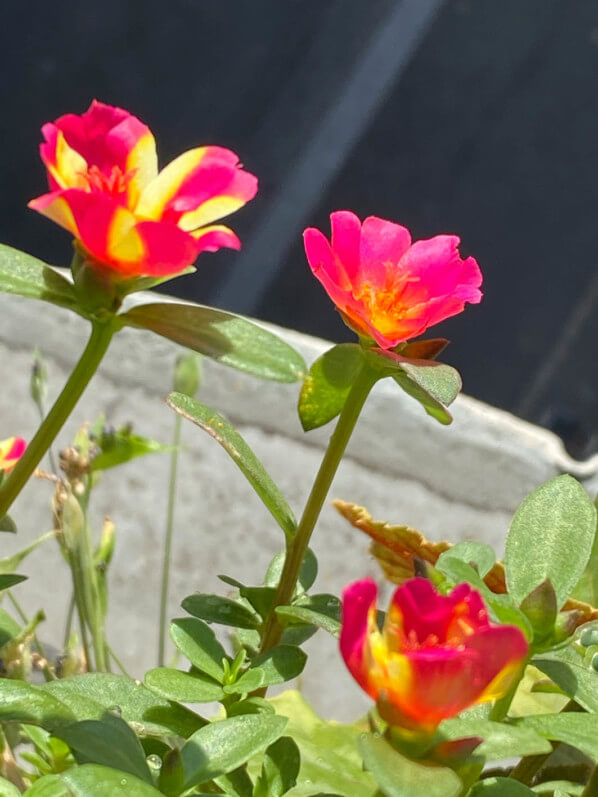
(436,655)
(11,450)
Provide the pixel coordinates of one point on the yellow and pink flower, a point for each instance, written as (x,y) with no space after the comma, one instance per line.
(435,656)
(386,287)
(11,451)
(105,189)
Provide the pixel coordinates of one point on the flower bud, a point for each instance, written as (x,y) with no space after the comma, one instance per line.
(187,374)
(38,384)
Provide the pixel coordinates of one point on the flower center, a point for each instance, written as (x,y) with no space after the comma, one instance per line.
(384,302)
(115,184)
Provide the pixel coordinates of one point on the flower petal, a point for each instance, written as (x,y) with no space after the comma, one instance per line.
(382,243)
(345,241)
(11,450)
(210,239)
(198,187)
(359,600)
(66,167)
(154,248)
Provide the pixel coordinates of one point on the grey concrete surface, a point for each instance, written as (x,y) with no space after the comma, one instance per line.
(460,482)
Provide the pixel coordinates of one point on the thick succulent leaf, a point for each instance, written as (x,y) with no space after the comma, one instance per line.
(25,275)
(322,611)
(330,761)
(227,338)
(279,770)
(108,741)
(184,687)
(328,383)
(91,780)
(198,643)
(216,609)
(242,455)
(551,537)
(499,740)
(221,747)
(90,695)
(398,776)
(577,729)
(23,702)
(276,666)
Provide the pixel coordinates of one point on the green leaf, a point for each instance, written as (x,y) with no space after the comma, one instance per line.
(198,643)
(108,741)
(261,598)
(328,383)
(276,666)
(434,385)
(551,536)
(247,462)
(322,611)
(251,705)
(9,628)
(559,788)
(541,610)
(499,740)
(22,702)
(398,776)
(500,787)
(222,746)
(586,589)
(8,580)
(236,783)
(8,789)
(25,275)
(224,337)
(477,554)
(566,667)
(215,609)
(88,696)
(181,686)
(330,762)
(91,780)
(8,525)
(577,729)
(501,607)
(307,574)
(10,563)
(279,770)
(121,446)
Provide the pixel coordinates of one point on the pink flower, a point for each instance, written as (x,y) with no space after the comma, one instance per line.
(386,287)
(436,655)
(105,189)
(11,451)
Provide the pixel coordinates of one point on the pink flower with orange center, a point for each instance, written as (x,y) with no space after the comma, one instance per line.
(105,189)
(436,655)
(386,287)
(11,451)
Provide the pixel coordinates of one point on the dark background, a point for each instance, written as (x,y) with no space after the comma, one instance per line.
(473,117)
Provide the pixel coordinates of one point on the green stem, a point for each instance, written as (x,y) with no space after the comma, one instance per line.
(118,662)
(168,540)
(42,414)
(297,546)
(592,784)
(80,603)
(91,592)
(48,674)
(526,770)
(101,334)
(501,707)
(69,622)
